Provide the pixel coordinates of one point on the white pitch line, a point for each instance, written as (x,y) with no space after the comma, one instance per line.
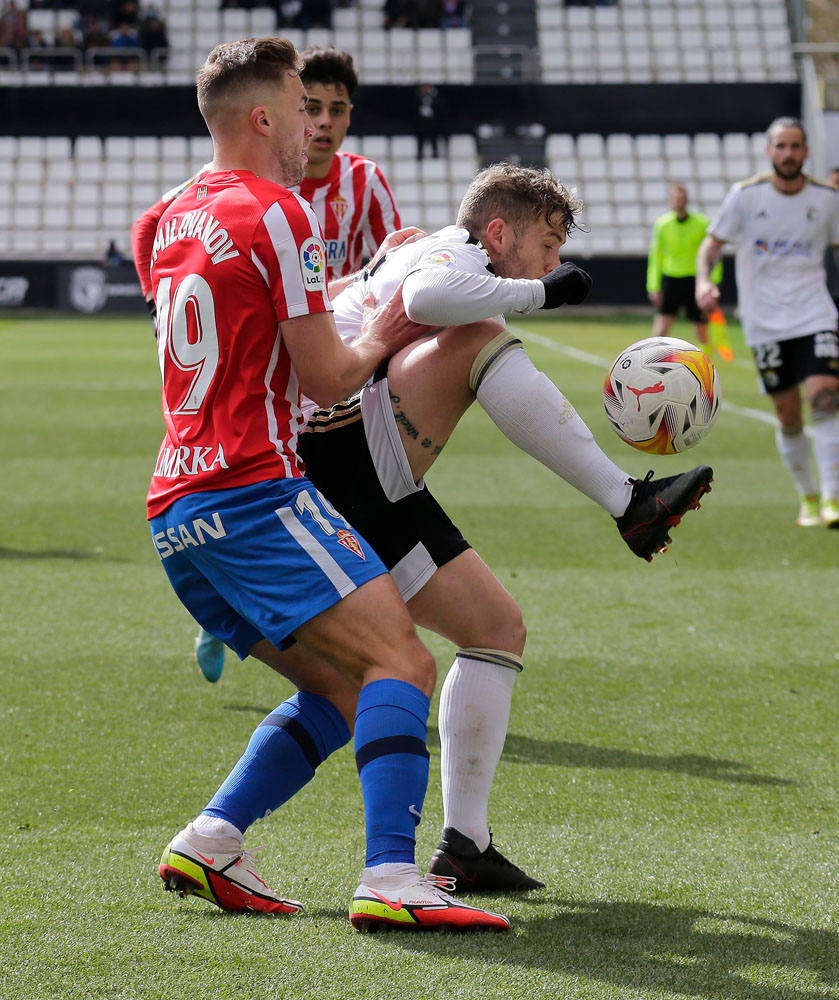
(593,359)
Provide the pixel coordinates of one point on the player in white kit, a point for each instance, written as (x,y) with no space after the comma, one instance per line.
(368,455)
(782,222)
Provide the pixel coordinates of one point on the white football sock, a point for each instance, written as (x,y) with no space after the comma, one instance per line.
(534,414)
(795,454)
(826,449)
(390,875)
(473,715)
(214,826)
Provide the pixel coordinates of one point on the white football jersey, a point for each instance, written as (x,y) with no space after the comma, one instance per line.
(446,280)
(781,284)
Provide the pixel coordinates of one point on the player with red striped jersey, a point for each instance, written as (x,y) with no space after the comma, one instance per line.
(255,553)
(224,250)
(350,197)
(349,193)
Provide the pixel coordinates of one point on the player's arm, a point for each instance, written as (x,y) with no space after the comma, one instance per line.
(707,257)
(143,233)
(142,243)
(328,370)
(446,296)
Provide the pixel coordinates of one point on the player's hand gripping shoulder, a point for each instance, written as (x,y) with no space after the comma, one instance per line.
(565,285)
(393,240)
(410,234)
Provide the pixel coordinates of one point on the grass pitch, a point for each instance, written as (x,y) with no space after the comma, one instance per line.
(670,770)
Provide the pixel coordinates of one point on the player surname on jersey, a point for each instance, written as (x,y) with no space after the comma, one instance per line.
(200,226)
(173,462)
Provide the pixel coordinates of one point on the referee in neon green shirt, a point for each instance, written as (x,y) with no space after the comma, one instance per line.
(671,265)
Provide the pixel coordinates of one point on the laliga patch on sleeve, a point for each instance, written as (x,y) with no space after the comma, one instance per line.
(313,264)
(442,258)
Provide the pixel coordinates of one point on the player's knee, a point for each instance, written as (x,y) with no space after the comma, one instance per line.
(419,668)
(824,403)
(516,633)
(504,629)
(489,355)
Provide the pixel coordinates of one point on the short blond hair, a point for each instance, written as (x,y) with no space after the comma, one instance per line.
(519,195)
(233,67)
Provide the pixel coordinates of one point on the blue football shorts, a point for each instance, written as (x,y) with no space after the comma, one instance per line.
(258,561)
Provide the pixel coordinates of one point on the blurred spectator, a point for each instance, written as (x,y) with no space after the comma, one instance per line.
(304,13)
(12,25)
(395,14)
(453,14)
(427,124)
(113,256)
(124,36)
(123,12)
(94,34)
(36,40)
(68,38)
(153,34)
(315,14)
(33,42)
(405,14)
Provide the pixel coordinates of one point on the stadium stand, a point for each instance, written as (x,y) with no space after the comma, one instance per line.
(623,179)
(70,196)
(646,41)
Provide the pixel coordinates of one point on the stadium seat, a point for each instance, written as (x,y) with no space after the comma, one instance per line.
(263,21)
(57,148)
(56,192)
(56,217)
(404,171)
(631,41)
(8,174)
(648,146)
(235,23)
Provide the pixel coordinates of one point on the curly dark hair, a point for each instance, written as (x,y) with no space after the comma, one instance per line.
(328,65)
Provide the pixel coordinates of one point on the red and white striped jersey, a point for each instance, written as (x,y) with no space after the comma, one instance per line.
(145,227)
(234,256)
(356,210)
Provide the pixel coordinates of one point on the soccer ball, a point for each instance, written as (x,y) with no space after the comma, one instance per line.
(662,395)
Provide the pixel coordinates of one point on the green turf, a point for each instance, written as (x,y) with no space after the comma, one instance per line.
(670,771)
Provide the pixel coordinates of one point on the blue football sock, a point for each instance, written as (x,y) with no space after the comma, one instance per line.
(281,758)
(392,761)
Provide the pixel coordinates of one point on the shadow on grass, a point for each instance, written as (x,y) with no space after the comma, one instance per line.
(50,554)
(259,710)
(523,749)
(640,947)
